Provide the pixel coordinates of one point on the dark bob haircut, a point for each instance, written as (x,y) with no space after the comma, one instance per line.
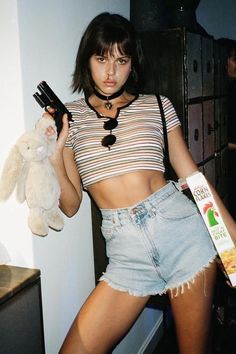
(102,33)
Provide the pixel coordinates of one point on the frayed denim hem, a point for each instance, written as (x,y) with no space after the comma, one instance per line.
(175,289)
(129,291)
(178,289)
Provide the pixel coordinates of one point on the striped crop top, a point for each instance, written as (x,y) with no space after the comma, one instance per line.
(139,138)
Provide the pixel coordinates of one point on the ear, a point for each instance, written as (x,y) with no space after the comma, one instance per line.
(10,173)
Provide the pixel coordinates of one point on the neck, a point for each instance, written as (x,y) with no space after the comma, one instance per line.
(108,104)
(107,97)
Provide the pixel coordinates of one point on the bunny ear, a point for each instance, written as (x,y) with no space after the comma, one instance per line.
(10,173)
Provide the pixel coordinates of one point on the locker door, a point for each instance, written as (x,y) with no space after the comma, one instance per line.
(209,171)
(217,123)
(223,74)
(208,129)
(223,122)
(217,68)
(207,67)
(195,137)
(218,184)
(224,170)
(194,65)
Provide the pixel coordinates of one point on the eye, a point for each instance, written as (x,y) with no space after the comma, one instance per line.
(123,60)
(100,59)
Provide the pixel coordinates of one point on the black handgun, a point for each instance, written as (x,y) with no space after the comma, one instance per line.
(47,98)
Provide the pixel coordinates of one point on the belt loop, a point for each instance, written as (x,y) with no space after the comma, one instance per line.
(117,218)
(174,184)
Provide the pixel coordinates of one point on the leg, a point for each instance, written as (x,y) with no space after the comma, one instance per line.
(55,219)
(37,222)
(192,313)
(104,318)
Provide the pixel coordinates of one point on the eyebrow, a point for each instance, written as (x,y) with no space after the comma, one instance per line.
(119,57)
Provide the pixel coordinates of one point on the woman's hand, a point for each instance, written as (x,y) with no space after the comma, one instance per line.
(62,136)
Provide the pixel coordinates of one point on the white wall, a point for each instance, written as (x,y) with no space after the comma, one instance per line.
(39,40)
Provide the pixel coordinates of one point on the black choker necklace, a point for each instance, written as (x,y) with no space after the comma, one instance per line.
(108,104)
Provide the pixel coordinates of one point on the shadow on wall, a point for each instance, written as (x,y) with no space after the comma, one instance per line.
(4,255)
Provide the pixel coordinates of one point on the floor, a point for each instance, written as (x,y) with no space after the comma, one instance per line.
(224,324)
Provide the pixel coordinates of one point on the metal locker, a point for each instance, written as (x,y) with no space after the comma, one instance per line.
(207,67)
(201,169)
(209,171)
(223,122)
(189,68)
(164,66)
(217,123)
(217,68)
(221,159)
(194,65)
(224,170)
(222,68)
(218,184)
(208,129)
(195,136)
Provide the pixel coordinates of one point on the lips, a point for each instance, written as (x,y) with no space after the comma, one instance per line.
(109,83)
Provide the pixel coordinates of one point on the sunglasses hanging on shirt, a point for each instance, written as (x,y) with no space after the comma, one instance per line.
(110,139)
(112,123)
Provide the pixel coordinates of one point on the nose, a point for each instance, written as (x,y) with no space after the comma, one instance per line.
(40,149)
(110,68)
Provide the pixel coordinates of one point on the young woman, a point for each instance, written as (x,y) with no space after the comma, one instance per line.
(156,240)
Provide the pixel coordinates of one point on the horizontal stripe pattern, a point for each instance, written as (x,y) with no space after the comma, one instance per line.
(139,139)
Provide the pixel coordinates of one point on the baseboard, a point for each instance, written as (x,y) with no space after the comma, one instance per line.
(153,338)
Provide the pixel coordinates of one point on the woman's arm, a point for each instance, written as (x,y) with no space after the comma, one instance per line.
(66,171)
(183,164)
(232,146)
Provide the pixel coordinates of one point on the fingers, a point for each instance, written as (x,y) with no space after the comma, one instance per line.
(65,122)
(50,131)
(47,115)
(65,126)
(49,112)
(64,132)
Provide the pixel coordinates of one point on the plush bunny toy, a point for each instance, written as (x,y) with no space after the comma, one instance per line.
(29,169)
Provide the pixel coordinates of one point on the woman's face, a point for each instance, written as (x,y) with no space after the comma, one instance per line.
(231,66)
(110,71)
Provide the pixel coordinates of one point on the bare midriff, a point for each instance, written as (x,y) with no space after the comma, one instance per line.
(126,190)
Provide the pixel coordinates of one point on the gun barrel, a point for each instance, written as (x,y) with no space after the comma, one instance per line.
(38,98)
(47,98)
(55,102)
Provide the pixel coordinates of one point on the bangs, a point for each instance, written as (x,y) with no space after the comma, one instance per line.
(105,44)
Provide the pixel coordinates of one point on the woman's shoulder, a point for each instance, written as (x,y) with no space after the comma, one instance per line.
(152,98)
(78,104)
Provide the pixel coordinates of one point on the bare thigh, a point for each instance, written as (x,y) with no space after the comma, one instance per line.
(192,313)
(104,318)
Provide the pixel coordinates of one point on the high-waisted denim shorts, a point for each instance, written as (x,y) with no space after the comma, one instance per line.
(159,244)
